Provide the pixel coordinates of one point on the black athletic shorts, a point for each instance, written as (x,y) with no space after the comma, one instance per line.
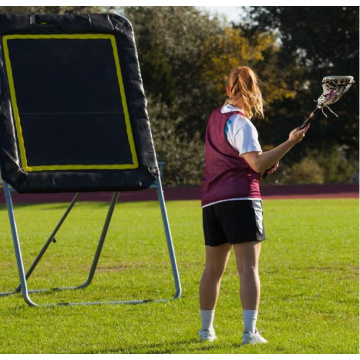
(233,222)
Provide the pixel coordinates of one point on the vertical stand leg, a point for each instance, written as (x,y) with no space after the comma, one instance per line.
(168,238)
(15,237)
(101,241)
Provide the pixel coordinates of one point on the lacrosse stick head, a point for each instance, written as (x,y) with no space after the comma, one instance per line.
(334,87)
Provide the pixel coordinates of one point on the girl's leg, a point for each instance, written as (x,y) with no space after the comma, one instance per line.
(247,262)
(216,260)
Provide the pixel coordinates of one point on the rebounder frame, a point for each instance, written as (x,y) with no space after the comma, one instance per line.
(23,287)
(132,167)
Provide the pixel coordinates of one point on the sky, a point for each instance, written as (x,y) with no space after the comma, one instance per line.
(231,12)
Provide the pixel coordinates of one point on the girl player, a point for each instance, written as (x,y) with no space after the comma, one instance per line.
(231,200)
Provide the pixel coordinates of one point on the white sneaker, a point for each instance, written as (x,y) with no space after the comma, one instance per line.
(252,338)
(207,335)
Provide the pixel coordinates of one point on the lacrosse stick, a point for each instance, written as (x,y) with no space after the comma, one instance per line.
(334,87)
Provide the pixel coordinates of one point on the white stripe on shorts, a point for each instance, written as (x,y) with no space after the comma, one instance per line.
(257,206)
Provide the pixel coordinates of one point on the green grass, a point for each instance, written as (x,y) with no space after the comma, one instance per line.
(308,268)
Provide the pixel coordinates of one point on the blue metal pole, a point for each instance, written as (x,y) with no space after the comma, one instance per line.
(16,241)
(168,238)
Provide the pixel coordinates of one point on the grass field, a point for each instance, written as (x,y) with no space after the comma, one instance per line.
(309,271)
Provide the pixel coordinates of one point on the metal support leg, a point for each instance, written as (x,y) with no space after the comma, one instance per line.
(168,238)
(101,241)
(17,248)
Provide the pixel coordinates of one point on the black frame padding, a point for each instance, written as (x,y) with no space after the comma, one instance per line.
(47,181)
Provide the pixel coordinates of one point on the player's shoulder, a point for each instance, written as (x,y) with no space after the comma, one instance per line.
(240,122)
(234,113)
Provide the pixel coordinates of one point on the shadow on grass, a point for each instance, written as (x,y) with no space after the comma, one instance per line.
(178,347)
(162,348)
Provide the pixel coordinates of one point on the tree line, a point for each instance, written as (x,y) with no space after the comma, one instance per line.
(185,55)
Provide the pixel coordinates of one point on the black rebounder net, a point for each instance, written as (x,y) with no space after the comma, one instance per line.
(72,107)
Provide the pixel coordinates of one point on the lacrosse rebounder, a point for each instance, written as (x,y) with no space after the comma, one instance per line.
(73,116)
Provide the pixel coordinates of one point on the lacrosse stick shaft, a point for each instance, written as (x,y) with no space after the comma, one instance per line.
(309,118)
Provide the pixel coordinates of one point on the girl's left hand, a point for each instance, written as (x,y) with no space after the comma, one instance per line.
(273,169)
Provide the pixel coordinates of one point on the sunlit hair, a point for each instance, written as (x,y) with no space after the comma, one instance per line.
(244,85)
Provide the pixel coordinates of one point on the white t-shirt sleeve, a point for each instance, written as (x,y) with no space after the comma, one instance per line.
(242,135)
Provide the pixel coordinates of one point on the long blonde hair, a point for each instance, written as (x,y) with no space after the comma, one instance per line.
(244,87)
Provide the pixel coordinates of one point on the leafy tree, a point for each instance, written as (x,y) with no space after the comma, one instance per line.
(170,43)
(232,49)
(321,41)
(307,171)
(183,155)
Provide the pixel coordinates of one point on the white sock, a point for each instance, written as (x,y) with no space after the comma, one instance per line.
(249,319)
(207,319)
